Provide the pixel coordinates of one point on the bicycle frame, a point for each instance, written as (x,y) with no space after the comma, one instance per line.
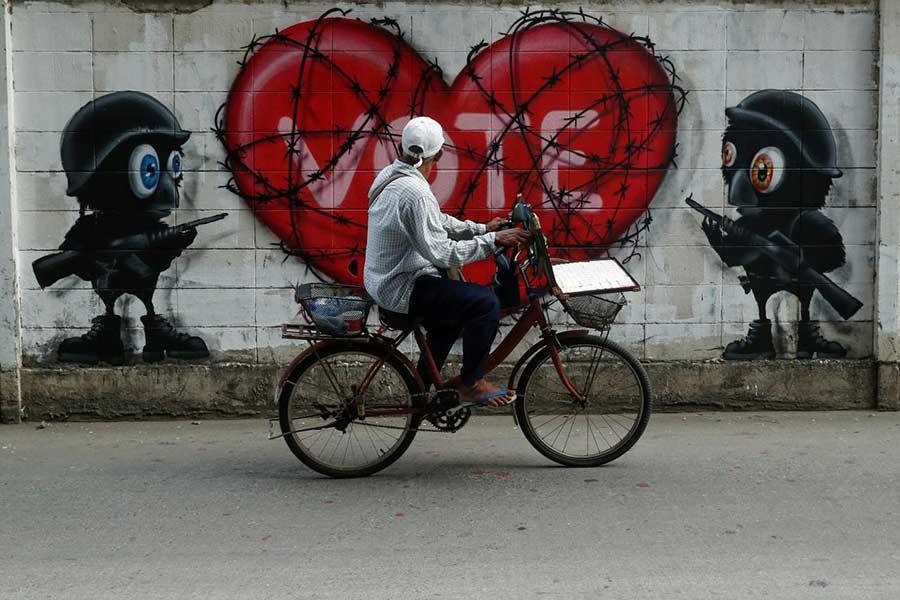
(534,316)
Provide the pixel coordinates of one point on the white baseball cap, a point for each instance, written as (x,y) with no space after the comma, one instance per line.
(422,138)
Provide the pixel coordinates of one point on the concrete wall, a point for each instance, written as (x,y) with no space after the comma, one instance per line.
(10,348)
(232,285)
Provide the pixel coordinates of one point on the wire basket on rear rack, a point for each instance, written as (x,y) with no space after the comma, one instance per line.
(334,309)
(595,311)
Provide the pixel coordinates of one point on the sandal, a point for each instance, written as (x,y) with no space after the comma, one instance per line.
(508,398)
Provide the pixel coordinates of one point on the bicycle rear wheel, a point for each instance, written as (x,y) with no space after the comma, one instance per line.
(610,420)
(319,410)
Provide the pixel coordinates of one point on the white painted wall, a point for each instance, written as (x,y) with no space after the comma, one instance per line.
(232,288)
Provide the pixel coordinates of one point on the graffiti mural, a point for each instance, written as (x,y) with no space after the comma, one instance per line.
(576,116)
(123,162)
(779,160)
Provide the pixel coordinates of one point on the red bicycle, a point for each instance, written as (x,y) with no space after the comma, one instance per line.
(352,402)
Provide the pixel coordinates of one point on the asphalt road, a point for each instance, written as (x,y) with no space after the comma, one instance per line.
(777,505)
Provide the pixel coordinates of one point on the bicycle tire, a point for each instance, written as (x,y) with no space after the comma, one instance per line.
(633,435)
(329,350)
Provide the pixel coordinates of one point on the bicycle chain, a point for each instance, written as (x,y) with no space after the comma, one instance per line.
(438,407)
(434,399)
(416,429)
(433,414)
(273,420)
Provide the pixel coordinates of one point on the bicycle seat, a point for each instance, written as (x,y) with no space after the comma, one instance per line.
(398,321)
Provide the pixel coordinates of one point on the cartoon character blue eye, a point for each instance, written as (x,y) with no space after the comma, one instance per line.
(143,171)
(173,165)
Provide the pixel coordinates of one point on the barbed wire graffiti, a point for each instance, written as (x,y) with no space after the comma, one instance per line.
(576,116)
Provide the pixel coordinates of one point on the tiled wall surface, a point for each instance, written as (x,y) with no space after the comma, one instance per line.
(232,286)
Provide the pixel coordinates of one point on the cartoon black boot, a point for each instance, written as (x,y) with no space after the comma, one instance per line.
(810,343)
(161,339)
(757,345)
(102,343)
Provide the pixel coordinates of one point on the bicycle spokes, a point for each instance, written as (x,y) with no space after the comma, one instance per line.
(336,424)
(603,417)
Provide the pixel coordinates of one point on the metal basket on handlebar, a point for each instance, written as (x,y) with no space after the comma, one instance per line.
(334,309)
(594,311)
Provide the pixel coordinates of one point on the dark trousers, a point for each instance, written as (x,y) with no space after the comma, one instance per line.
(450,309)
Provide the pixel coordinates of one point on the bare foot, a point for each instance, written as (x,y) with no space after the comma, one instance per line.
(482,389)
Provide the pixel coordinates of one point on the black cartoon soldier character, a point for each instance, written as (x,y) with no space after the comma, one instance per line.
(778,161)
(122,157)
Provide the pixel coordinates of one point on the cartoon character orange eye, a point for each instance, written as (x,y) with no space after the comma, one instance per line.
(767,170)
(729,154)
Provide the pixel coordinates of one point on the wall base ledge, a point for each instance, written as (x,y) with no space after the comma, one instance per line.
(10,409)
(230,390)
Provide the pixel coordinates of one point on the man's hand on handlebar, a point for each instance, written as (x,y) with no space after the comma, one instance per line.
(510,238)
(496,224)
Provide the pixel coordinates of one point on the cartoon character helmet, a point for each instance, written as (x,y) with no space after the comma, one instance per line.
(102,125)
(798,118)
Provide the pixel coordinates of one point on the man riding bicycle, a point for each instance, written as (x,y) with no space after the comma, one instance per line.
(410,247)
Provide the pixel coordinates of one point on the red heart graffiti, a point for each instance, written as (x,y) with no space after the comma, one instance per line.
(577,116)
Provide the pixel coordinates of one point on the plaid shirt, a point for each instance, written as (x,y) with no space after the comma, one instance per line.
(409,237)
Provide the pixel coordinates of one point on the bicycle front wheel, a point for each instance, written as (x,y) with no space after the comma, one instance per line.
(608,419)
(334,426)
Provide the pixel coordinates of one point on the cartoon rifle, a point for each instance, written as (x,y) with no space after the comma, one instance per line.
(788,255)
(53,267)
